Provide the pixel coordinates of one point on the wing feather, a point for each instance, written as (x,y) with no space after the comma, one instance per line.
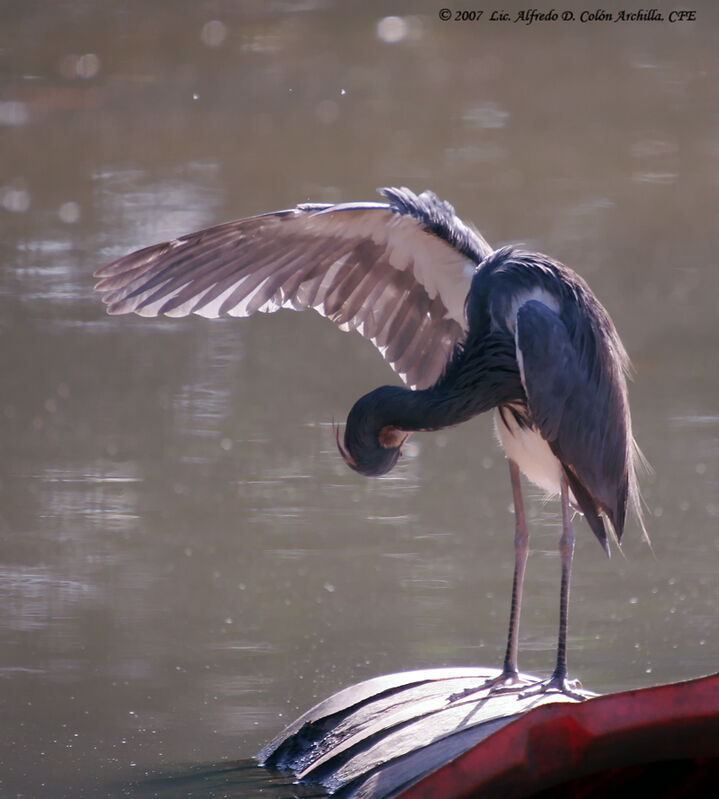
(398,273)
(577,414)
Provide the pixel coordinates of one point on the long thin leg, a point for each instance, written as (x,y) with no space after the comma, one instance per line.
(509,677)
(566,554)
(521,550)
(558,681)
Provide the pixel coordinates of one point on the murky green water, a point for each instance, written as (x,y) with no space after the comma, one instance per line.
(186,563)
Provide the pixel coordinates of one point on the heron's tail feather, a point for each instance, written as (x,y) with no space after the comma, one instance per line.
(589,509)
(638,462)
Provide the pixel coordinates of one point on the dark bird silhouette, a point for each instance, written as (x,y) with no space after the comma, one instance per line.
(467,328)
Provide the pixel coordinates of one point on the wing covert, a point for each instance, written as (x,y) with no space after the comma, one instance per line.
(574,415)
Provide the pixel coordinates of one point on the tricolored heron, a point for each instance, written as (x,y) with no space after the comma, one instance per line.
(467,328)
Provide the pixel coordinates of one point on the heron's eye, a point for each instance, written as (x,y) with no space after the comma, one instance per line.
(391,437)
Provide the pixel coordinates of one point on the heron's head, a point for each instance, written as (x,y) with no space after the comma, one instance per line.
(370,446)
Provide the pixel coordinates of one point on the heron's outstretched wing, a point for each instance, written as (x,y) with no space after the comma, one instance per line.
(397,273)
(583,417)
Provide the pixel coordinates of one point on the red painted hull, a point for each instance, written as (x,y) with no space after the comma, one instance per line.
(661,741)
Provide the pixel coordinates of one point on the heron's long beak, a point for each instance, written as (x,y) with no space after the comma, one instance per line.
(348,459)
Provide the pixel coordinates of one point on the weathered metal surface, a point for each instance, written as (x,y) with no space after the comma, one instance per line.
(401,725)
(415,735)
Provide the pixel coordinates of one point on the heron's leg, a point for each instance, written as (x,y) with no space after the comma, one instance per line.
(509,679)
(558,681)
(521,550)
(566,554)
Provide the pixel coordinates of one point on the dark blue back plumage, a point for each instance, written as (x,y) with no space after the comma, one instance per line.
(574,374)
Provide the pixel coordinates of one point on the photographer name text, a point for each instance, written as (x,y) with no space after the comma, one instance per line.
(531,16)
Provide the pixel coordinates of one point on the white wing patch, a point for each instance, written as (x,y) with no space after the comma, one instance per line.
(536,293)
(526,447)
(440,269)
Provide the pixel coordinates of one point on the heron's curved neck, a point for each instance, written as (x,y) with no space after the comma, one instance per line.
(482,375)
(426,409)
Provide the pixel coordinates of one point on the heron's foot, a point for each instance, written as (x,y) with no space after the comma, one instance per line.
(557,683)
(507,682)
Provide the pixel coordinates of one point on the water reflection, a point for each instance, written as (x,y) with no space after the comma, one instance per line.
(37,598)
(234,780)
(184,201)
